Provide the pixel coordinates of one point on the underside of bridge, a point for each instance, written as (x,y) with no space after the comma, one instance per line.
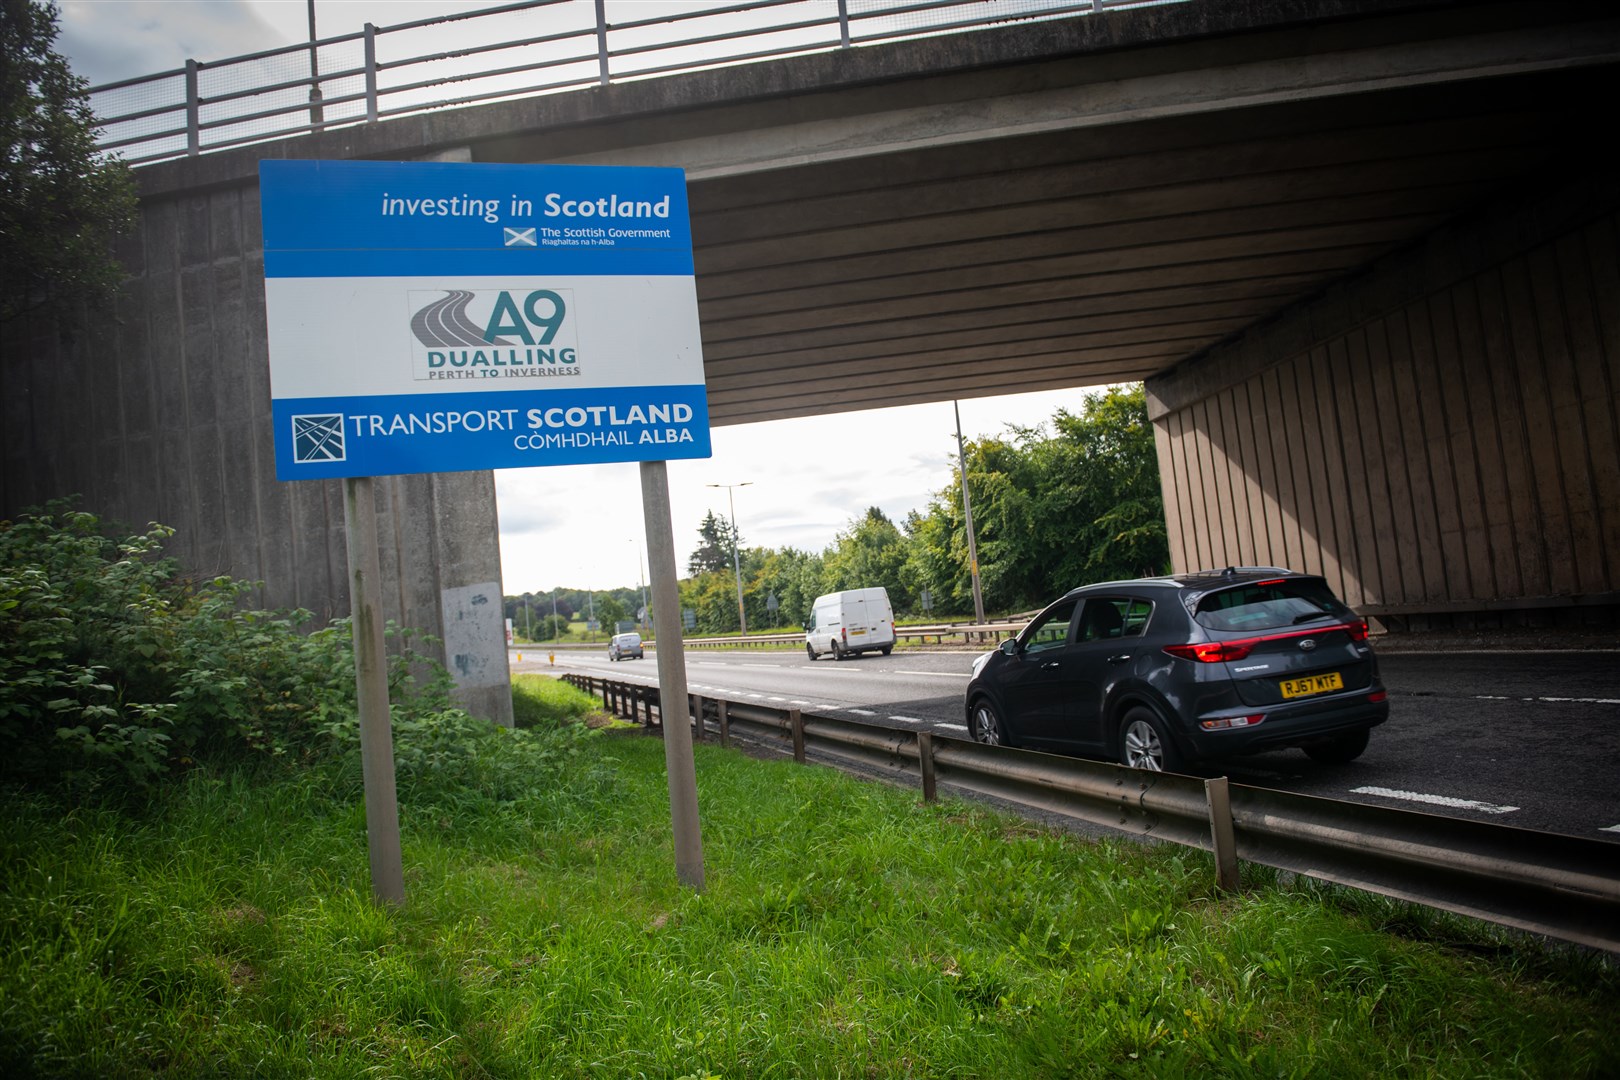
(1362,251)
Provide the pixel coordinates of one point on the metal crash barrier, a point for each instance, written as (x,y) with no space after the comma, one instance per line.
(1566,887)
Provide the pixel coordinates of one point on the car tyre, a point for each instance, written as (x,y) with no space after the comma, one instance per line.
(985,726)
(838,650)
(810,649)
(1338,749)
(887,649)
(1144,742)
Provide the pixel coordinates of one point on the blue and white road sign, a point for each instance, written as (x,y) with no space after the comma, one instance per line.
(446,316)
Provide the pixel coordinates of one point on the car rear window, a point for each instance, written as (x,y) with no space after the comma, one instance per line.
(1267,605)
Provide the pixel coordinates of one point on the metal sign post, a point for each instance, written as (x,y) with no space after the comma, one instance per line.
(666,610)
(371,691)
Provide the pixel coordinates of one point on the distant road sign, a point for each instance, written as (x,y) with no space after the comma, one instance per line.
(444,316)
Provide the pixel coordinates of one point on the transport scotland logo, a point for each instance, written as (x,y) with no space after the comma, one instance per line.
(318,437)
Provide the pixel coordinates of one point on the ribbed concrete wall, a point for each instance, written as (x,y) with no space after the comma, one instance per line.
(159,410)
(1439,438)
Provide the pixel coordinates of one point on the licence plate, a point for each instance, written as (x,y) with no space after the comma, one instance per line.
(856,633)
(1312,684)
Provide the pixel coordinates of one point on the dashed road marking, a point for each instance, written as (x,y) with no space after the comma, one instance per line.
(860,712)
(1437,800)
(954,727)
(947,674)
(908,719)
(1552,700)
(1610,828)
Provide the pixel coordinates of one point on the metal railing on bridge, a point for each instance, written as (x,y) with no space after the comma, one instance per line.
(501,53)
(1567,887)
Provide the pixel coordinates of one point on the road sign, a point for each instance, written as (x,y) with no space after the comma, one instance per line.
(446,316)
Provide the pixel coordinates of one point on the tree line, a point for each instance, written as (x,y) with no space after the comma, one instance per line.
(1052,509)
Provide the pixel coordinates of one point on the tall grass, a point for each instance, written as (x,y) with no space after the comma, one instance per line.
(848,929)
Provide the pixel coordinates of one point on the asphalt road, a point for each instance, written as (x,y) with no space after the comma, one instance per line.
(1529,739)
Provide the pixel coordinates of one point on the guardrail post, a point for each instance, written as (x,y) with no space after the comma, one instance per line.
(723,706)
(697,716)
(371,74)
(1218,792)
(796,722)
(193,112)
(843,23)
(925,760)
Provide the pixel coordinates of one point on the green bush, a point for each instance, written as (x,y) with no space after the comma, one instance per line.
(114,670)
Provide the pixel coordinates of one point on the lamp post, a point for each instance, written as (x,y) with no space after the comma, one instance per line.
(967,517)
(641,570)
(736,561)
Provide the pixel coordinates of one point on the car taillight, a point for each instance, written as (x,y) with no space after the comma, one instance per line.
(1377,696)
(1214,652)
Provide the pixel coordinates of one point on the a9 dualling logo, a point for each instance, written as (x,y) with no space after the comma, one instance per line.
(493,334)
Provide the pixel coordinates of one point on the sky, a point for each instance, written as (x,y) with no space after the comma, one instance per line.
(581,526)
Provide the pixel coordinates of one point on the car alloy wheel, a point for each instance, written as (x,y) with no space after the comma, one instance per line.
(1144,745)
(987,725)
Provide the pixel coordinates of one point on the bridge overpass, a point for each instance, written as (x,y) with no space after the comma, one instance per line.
(1363,252)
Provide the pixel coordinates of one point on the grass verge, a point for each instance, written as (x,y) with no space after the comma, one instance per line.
(848,929)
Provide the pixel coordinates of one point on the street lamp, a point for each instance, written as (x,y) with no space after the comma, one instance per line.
(736,562)
(967,516)
(641,570)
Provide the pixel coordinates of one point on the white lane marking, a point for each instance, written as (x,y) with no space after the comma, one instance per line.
(756,697)
(1553,700)
(908,719)
(775,698)
(947,674)
(860,712)
(797,701)
(954,727)
(1437,800)
(1610,828)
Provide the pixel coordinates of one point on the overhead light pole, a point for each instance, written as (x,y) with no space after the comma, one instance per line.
(641,570)
(967,517)
(736,561)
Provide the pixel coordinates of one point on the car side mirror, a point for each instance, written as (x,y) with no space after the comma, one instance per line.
(1010,646)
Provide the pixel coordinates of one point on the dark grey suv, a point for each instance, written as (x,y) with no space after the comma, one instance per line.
(1159,672)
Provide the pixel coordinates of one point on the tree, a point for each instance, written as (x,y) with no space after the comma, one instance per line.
(1050,512)
(871,552)
(61,203)
(714,553)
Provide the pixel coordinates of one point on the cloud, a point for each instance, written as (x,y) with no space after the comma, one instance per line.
(106,42)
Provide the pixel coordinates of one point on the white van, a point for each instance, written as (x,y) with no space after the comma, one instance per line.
(853,621)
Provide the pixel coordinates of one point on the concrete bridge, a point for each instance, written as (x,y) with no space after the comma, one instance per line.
(1364,253)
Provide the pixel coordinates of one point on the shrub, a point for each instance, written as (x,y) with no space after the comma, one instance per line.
(113,669)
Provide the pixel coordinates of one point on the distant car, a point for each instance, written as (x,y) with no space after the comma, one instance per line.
(625,647)
(1160,672)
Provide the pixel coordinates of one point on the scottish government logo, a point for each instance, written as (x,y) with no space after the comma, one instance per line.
(318,437)
(493,334)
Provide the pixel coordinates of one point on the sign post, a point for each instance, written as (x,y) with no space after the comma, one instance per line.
(447,316)
(371,691)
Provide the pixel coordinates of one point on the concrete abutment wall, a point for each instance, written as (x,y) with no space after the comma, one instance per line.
(1438,436)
